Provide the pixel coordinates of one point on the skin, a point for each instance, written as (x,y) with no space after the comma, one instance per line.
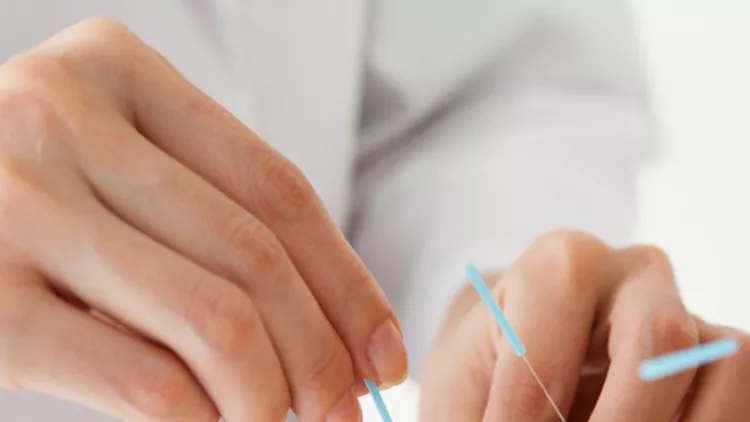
(588,315)
(159,261)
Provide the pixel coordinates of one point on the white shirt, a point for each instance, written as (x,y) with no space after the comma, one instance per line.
(437,132)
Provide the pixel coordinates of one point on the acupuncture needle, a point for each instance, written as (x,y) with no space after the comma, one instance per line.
(379,402)
(518,348)
(684,360)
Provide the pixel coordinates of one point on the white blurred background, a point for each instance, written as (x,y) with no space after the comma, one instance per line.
(695,202)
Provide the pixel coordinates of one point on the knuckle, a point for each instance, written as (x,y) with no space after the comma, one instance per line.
(288,194)
(570,258)
(157,391)
(256,250)
(104,31)
(356,291)
(102,44)
(653,259)
(198,103)
(673,330)
(34,69)
(328,368)
(223,318)
(26,114)
(323,381)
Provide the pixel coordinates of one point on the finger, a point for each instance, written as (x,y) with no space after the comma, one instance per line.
(209,322)
(223,237)
(551,297)
(278,194)
(648,320)
(458,374)
(53,348)
(721,390)
(191,127)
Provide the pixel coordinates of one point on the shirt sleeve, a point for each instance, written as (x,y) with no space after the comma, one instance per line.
(547,137)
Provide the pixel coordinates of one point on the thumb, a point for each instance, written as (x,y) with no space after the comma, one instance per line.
(458,373)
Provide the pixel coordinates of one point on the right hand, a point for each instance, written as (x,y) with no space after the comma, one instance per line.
(158,261)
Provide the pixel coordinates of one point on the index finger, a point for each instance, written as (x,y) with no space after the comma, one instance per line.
(550,298)
(198,132)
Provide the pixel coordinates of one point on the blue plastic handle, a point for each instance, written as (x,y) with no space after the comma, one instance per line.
(497,313)
(378,399)
(674,363)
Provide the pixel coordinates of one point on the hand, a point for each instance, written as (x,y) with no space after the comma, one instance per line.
(158,261)
(588,315)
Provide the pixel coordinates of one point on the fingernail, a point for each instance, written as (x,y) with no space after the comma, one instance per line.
(346,410)
(388,354)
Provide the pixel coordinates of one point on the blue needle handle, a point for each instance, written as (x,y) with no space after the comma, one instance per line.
(497,313)
(674,363)
(378,399)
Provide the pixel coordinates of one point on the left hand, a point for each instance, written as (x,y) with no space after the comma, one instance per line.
(588,315)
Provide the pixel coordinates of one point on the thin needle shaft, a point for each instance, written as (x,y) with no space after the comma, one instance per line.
(546,393)
(515,342)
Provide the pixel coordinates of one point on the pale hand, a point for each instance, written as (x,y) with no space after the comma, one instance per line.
(159,261)
(588,315)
